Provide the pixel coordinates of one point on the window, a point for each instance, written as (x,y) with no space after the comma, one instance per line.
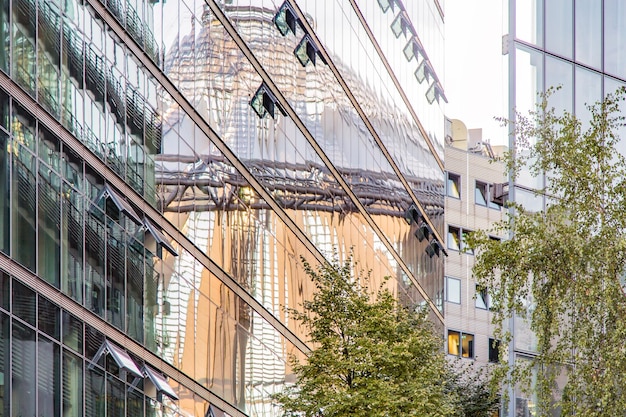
(453,290)
(457,238)
(454,185)
(483,195)
(494,350)
(460,344)
(482,297)
(454,238)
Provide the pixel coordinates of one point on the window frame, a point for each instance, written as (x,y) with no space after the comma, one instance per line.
(456,180)
(458,234)
(482,294)
(460,346)
(494,350)
(482,188)
(447,291)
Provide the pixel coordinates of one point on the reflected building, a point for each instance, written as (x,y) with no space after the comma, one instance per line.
(168,166)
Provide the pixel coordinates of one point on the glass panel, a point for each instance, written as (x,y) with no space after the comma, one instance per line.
(5,30)
(615,38)
(589,32)
(480,194)
(49,378)
(95,251)
(528,79)
(4,105)
(529,21)
(49,207)
(24,375)
(49,318)
(72,243)
(73,386)
(24,302)
(5,352)
(454,238)
(24,196)
(116,272)
(5,187)
(135,291)
(95,398)
(116,397)
(5,290)
(454,339)
(24,34)
(559,73)
(559,32)
(467,341)
(454,186)
(72,332)
(588,92)
(453,290)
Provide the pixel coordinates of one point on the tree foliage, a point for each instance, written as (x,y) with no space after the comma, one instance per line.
(371,356)
(562,268)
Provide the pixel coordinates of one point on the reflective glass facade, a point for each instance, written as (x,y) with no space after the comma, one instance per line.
(167,165)
(579,46)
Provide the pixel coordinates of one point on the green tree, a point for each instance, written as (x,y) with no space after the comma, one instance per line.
(371,356)
(562,268)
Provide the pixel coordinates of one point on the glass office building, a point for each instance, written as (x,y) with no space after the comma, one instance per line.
(579,46)
(165,166)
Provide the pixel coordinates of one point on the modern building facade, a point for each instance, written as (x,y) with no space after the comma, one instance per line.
(470,186)
(580,47)
(165,166)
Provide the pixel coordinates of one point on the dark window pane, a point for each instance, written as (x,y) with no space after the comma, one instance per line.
(5,345)
(24,302)
(5,188)
(24,376)
(49,318)
(49,208)
(48,378)
(5,290)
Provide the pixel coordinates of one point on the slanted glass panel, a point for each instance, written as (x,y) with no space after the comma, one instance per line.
(23,35)
(116,274)
(95,253)
(135,291)
(24,203)
(49,318)
(5,356)
(5,37)
(482,297)
(95,398)
(72,235)
(23,371)
(72,332)
(48,378)
(24,303)
(5,290)
(5,189)
(49,236)
(116,397)
(73,386)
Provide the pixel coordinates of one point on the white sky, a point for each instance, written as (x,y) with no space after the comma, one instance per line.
(476,78)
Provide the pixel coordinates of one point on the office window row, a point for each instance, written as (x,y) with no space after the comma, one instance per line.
(461,344)
(482,296)
(484,192)
(53,364)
